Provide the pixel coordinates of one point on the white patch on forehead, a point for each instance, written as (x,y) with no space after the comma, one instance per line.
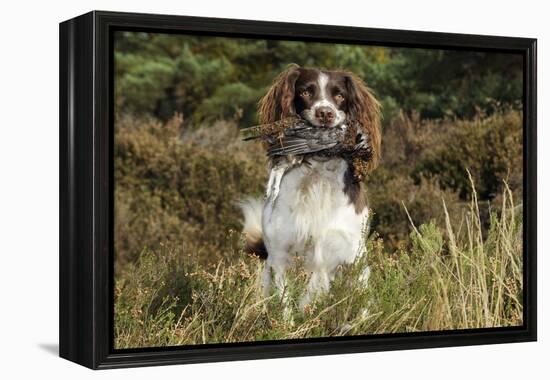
(323,100)
(323,81)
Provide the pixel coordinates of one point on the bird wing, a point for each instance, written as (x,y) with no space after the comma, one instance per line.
(304,140)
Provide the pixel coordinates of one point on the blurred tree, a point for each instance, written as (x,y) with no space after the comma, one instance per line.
(209,78)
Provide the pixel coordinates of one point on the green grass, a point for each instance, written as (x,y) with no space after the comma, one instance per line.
(462,275)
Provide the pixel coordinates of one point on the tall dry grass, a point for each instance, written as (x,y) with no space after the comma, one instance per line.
(455,277)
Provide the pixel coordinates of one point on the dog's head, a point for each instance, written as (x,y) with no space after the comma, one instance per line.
(325,98)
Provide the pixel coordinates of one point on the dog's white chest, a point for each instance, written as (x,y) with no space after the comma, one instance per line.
(310,202)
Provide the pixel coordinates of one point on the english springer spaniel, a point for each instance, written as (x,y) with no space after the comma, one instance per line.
(320,210)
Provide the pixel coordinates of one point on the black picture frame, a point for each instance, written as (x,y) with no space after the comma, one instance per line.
(86,189)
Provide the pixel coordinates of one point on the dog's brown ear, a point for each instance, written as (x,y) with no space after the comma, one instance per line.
(279,100)
(363,107)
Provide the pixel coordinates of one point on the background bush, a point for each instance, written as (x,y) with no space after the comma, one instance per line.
(178,185)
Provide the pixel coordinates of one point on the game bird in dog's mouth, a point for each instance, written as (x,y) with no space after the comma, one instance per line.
(321,131)
(291,140)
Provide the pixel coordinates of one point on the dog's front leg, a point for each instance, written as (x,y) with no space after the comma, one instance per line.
(281,286)
(319,282)
(274,182)
(335,247)
(266,280)
(279,268)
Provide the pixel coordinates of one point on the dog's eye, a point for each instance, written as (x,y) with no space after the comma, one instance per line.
(304,94)
(339,97)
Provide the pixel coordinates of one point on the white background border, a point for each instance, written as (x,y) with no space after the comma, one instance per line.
(29,187)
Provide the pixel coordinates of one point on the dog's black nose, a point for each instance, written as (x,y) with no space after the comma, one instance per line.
(324,114)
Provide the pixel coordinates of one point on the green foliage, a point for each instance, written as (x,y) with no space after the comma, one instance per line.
(242,104)
(439,83)
(207,78)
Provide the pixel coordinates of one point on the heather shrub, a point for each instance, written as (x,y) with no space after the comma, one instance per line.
(448,278)
(426,161)
(490,147)
(178,185)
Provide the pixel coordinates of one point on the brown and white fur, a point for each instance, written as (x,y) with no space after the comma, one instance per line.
(320,211)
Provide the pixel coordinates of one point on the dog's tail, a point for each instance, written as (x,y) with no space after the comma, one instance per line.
(252,228)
